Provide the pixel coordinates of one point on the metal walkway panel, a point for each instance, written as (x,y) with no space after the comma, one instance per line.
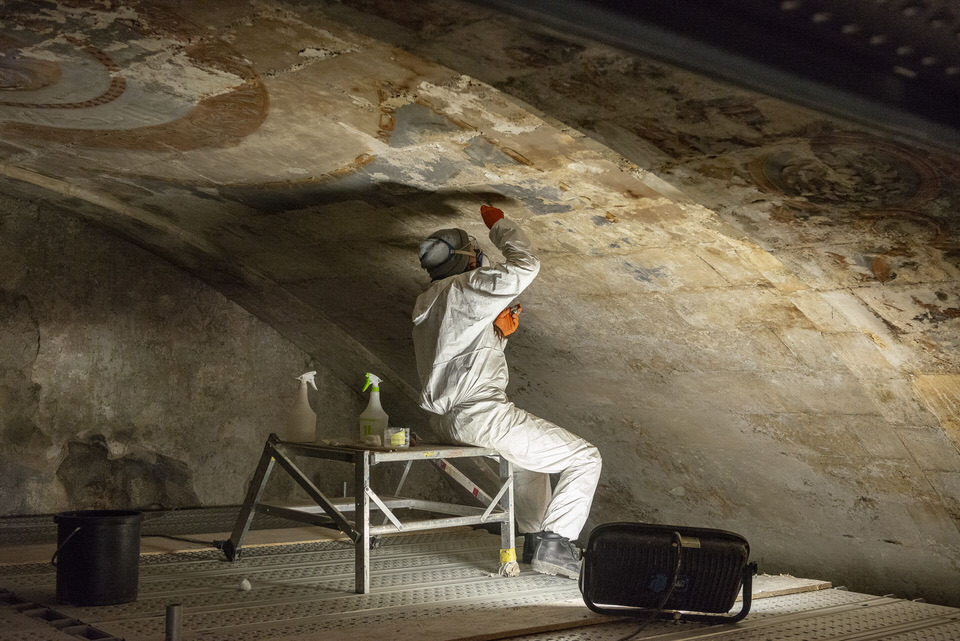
(404,604)
(945,632)
(829,615)
(431,585)
(15,626)
(302,567)
(283,586)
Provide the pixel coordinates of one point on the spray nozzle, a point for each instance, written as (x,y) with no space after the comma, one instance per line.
(309,377)
(372,379)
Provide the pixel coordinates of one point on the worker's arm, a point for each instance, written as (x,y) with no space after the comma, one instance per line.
(496,286)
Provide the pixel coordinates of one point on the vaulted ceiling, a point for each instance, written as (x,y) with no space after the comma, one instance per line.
(748,302)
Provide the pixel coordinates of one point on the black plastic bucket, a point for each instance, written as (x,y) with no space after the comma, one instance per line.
(97,557)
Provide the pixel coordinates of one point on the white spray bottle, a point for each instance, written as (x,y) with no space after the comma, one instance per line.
(302,427)
(373,420)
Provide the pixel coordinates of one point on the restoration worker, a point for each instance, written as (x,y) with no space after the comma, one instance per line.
(460,328)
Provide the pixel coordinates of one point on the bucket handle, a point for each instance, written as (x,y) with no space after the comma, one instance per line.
(53,559)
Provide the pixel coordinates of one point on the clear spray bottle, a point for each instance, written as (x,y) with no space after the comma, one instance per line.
(373,420)
(302,426)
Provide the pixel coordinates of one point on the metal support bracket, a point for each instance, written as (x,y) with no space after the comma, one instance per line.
(342,524)
(496,500)
(462,480)
(386,511)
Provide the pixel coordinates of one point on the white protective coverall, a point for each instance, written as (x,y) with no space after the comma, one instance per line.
(463,377)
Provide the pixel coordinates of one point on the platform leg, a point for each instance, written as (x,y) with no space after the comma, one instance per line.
(259,481)
(362,523)
(508,544)
(403,478)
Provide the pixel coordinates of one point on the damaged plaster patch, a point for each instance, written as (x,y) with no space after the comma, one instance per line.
(482,153)
(60,49)
(429,170)
(644,274)
(314,53)
(415,124)
(458,101)
(934,313)
(585,168)
(93,19)
(537,197)
(179,74)
(151,45)
(310,55)
(90,18)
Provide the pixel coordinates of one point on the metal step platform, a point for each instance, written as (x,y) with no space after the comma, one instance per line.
(327,511)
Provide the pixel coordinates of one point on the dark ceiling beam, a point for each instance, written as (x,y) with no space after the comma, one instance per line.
(760,51)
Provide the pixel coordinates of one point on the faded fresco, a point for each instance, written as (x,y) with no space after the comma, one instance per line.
(752,308)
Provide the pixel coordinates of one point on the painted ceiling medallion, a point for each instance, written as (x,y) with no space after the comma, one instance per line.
(849,172)
(218,118)
(116,88)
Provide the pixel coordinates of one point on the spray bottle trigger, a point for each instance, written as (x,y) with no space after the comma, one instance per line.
(372,379)
(309,377)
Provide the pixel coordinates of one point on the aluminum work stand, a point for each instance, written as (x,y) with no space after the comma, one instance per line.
(329,512)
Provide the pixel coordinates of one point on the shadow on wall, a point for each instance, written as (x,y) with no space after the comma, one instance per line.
(389,195)
(348,252)
(126,383)
(343,253)
(96,480)
(338,244)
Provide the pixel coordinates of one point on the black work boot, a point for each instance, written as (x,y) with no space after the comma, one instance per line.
(529,543)
(555,554)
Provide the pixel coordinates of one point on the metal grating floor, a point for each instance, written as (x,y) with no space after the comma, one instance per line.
(437,586)
(831,615)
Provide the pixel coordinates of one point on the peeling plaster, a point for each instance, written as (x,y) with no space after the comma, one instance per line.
(462,104)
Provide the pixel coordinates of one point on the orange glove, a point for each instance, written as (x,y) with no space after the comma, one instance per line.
(508,321)
(490,215)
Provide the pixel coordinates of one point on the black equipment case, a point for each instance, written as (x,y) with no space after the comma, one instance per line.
(639,569)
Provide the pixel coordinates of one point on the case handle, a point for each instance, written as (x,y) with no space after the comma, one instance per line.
(53,559)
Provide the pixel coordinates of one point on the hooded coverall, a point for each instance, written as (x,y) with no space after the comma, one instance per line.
(463,377)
